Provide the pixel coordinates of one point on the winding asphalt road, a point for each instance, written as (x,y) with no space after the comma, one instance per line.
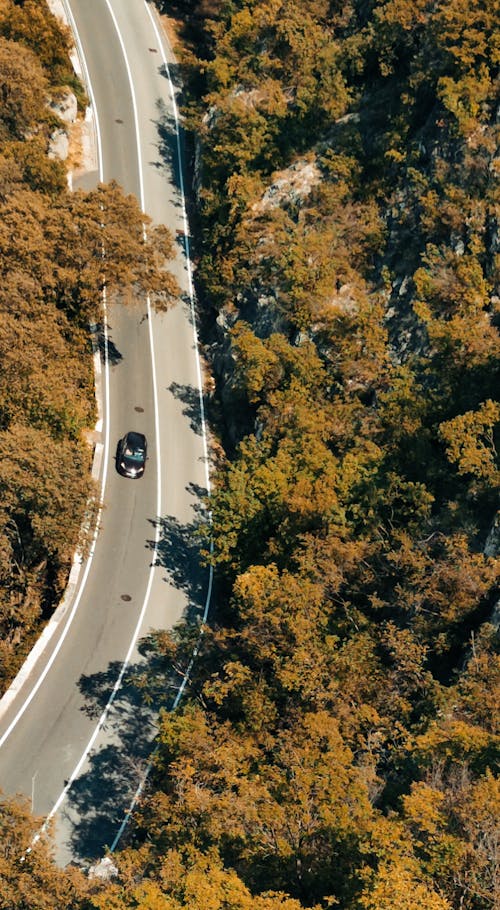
(64,746)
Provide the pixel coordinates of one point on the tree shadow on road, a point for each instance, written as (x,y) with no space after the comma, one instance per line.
(175,71)
(98,800)
(178,552)
(190,397)
(106,345)
(168,147)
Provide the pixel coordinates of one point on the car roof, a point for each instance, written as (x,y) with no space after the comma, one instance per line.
(137,440)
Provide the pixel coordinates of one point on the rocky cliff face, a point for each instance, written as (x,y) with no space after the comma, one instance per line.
(436,229)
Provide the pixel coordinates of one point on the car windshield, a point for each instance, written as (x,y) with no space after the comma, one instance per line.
(134,454)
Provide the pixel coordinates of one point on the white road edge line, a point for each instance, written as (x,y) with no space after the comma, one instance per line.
(160,39)
(90,556)
(140,619)
(208,598)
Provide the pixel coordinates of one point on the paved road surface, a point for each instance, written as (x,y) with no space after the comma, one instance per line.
(153,383)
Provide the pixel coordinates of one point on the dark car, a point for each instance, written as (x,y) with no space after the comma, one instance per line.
(131,454)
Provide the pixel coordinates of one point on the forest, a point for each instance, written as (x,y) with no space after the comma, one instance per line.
(338,743)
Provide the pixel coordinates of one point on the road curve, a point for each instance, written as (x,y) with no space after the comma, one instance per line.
(75,755)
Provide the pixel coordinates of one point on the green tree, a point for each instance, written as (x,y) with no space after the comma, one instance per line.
(470,442)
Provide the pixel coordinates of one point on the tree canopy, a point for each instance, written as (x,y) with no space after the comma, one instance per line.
(338,742)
